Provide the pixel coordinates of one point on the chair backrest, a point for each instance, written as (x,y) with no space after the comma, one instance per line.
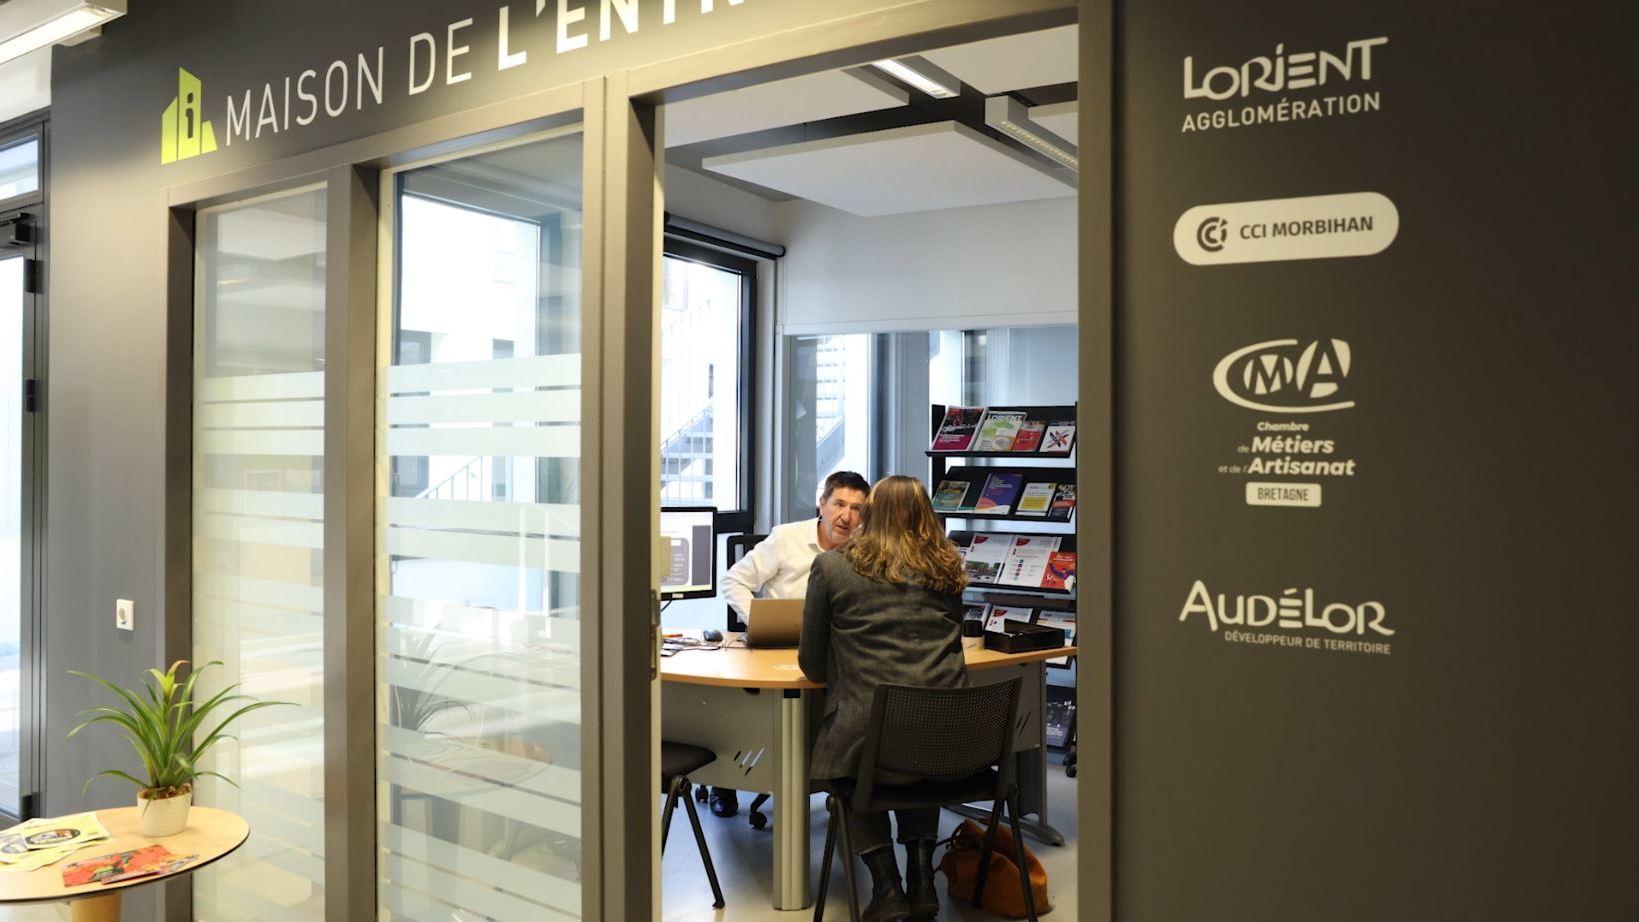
(940,733)
(735,547)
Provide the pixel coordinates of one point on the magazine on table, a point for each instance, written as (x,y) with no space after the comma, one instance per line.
(957,429)
(117,866)
(997,430)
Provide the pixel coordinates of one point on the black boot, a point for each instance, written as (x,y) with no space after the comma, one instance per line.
(888,903)
(924,899)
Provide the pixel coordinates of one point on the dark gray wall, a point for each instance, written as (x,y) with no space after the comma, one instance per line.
(1484,768)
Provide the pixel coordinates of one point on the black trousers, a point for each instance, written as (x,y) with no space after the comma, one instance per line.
(869,831)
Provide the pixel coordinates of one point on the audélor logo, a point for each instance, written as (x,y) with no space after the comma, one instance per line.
(184,132)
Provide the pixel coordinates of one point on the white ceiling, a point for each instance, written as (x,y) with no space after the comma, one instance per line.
(809,98)
(1059,118)
(1012,62)
(918,168)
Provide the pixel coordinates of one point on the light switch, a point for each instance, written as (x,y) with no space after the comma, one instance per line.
(125,614)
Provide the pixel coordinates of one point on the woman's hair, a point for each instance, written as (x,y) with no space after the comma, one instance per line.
(900,540)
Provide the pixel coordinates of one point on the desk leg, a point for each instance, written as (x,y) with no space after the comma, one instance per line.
(101,908)
(791,805)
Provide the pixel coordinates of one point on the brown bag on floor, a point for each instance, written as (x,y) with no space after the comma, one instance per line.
(1003,895)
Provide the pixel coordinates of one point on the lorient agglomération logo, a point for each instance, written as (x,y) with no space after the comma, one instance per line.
(1283,72)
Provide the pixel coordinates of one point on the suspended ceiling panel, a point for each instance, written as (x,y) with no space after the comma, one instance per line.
(808,98)
(1013,62)
(1059,118)
(917,168)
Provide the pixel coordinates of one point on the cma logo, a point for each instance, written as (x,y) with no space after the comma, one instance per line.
(1286,376)
(184,132)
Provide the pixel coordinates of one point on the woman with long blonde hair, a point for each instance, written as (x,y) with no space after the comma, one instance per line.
(884,609)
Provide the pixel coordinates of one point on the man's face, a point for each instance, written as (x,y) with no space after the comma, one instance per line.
(839,516)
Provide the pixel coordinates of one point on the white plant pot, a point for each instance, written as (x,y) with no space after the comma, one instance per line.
(164,817)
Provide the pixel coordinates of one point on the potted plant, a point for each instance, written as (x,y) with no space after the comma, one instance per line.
(167,728)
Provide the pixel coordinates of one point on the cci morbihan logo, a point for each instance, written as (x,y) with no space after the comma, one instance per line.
(1286,376)
(183,130)
(1312,227)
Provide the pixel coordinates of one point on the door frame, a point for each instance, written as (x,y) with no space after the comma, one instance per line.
(31,626)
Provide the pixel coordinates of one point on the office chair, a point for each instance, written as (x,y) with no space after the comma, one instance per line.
(1070,747)
(677,762)
(911,732)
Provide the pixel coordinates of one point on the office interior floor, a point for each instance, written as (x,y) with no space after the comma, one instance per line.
(743,857)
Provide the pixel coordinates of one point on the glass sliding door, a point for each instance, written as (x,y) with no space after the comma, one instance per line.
(12,485)
(258,548)
(478,552)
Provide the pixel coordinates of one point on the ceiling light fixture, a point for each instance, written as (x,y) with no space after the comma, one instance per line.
(27,25)
(1008,115)
(922,75)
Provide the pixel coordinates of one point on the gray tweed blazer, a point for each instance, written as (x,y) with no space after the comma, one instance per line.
(857,634)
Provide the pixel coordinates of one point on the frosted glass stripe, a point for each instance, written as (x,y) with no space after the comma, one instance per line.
(524,371)
(524,407)
(455,618)
(558,441)
(285,414)
(300,385)
(303,443)
(252,530)
(503,801)
(267,591)
(272,503)
(507,518)
(245,905)
(451,754)
(548,890)
(506,550)
(558,701)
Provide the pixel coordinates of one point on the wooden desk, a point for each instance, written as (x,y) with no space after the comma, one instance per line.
(211,833)
(755,709)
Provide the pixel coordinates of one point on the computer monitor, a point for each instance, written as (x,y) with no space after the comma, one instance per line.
(692,533)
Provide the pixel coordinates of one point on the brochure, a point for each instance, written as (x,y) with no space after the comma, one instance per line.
(1000,492)
(1029,437)
(1064,621)
(1061,571)
(116,866)
(952,496)
(47,840)
(997,430)
(975,611)
(984,557)
(1036,499)
(1001,613)
(1026,562)
(1059,438)
(1064,502)
(956,431)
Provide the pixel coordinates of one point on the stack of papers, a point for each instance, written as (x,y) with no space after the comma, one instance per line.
(41,842)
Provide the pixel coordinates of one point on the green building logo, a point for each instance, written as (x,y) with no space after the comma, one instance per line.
(184,132)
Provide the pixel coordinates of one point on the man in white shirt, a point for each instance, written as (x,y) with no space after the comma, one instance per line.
(777,568)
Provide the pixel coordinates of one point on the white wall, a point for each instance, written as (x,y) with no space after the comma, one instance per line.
(960,268)
(701,198)
(25,84)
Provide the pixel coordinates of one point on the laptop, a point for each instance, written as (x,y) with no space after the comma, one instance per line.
(774,623)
